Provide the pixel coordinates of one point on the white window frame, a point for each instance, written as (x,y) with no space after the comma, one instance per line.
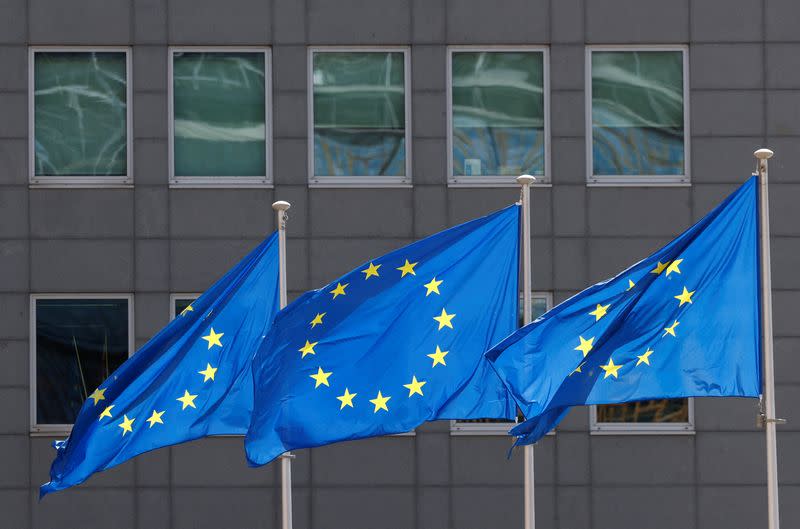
(637,180)
(641,428)
(497,180)
(497,428)
(360,181)
(65,429)
(211,182)
(180,295)
(79,181)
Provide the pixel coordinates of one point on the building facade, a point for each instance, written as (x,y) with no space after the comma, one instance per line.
(143,141)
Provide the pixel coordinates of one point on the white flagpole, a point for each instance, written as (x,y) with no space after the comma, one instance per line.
(525,182)
(768,412)
(280,208)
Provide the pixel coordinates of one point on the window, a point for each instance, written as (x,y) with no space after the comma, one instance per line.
(647,416)
(79,116)
(541,302)
(77,341)
(359,117)
(219,126)
(498,115)
(637,125)
(179,302)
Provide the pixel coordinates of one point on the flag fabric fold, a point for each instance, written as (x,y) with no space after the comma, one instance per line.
(391,344)
(684,322)
(193,379)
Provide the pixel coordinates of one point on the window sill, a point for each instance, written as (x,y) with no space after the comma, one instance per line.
(80,185)
(496,182)
(633,430)
(55,432)
(638,181)
(486,429)
(213,182)
(370,182)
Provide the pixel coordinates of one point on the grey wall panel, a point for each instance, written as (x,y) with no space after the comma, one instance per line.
(241,22)
(608,22)
(81,213)
(90,22)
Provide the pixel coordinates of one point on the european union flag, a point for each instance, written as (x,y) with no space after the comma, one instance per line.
(395,342)
(191,380)
(682,323)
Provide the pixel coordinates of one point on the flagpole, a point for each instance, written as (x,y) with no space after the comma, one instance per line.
(280,208)
(768,412)
(525,182)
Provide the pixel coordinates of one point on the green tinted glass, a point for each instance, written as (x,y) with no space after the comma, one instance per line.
(219,113)
(637,113)
(80,114)
(359,114)
(498,113)
(79,343)
(645,411)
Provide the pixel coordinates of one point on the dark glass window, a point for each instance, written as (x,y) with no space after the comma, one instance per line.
(79,343)
(181,304)
(645,411)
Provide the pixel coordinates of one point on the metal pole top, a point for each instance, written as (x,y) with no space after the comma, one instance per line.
(281,205)
(763,154)
(526,179)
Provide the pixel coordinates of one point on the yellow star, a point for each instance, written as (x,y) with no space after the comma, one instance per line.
(438,357)
(317,319)
(577,369)
(208,373)
(407,268)
(346,399)
(671,329)
(106,412)
(372,270)
(674,267)
(380,402)
(644,358)
(308,349)
(433,286)
(445,319)
(339,290)
(321,377)
(156,418)
(415,386)
(585,346)
(660,267)
(187,310)
(685,296)
(600,311)
(187,399)
(631,284)
(610,368)
(213,338)
(126,425)
(98,395)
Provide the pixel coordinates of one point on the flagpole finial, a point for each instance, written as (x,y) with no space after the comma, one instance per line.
(763,154)
(525,179)
(281,205)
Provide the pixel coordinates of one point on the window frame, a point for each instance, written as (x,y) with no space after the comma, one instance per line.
(46,430)
(593,180)
(212,182)
(458,428)
(80,181)
(497,180)
(315,181)
(175,296)
(641,428)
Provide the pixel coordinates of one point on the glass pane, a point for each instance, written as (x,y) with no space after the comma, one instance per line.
(498,113)
(80,114)
(79,343)
(646,411)
(219,107)
(359,114)
(637,113)
(181,304)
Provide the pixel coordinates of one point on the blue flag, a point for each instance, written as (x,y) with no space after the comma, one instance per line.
(396,342)
(683,322)
(191,380)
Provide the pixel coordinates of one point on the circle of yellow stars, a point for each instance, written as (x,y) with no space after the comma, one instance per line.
(187,400)
(444,320)
(585,345)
